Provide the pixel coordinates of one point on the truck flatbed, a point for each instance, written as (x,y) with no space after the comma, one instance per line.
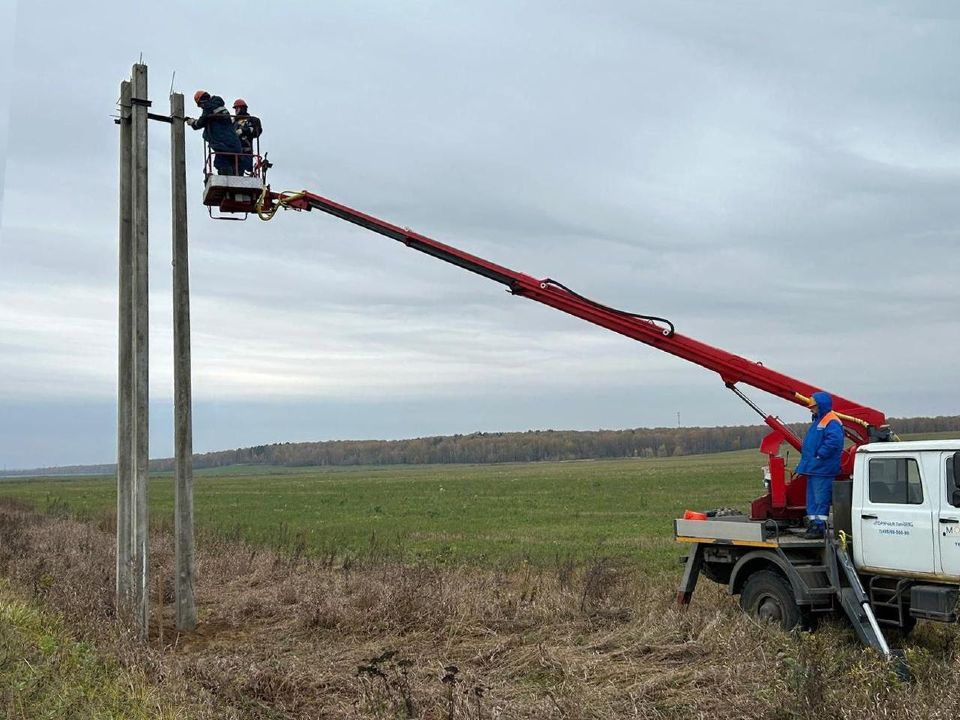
(739,530)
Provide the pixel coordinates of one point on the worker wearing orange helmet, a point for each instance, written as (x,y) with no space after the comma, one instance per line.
(248,129)
(217,126)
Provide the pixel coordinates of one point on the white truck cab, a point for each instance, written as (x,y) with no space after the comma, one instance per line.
(905,510)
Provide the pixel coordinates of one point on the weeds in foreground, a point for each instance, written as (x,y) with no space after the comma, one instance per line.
(44,672)
(384,684)
(288,636)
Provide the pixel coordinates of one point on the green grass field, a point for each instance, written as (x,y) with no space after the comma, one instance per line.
(479,514)
(287,638)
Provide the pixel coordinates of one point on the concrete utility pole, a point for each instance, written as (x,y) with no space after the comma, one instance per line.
(141,354)
(141,357)
(183,403)
(125,417)
(133,401)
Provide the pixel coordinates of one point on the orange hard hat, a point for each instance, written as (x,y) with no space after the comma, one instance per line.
(199,94)
(239,102)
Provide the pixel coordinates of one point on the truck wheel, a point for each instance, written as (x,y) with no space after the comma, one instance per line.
(717,572)
(769,597)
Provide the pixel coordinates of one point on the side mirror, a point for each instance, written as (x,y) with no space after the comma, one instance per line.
(955,500)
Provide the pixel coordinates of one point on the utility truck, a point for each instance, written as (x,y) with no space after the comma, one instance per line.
(891,555)
(892,552)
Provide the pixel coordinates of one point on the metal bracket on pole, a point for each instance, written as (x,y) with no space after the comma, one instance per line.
(150,116)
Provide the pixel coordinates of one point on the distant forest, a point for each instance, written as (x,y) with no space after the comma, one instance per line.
(498,447)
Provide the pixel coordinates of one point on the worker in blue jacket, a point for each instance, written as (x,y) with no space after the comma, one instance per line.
(217,125)
(820,461)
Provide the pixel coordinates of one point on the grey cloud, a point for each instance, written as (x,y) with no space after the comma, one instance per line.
(779,181)
(8,16)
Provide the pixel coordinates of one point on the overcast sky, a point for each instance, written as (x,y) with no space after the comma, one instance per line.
(779,179)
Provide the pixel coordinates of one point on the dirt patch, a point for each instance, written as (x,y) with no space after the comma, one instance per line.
(293,637)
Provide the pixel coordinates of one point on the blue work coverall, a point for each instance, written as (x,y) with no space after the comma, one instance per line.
(217,125)
(820,459)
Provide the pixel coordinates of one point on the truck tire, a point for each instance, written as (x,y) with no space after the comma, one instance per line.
(768,596)
(717,572)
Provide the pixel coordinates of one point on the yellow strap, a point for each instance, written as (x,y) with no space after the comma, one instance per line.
(810,401)
(283,201)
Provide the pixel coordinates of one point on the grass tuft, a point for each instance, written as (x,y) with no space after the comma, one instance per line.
(46,673)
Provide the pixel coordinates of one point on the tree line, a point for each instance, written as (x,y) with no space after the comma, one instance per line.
(499,447)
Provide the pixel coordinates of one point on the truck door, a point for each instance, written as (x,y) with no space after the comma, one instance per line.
(949,520)
(896,516)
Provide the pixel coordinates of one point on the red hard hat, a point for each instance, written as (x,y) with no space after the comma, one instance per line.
(239,102)
(198,94)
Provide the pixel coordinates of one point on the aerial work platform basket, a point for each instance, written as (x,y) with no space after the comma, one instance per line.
(231,194)
(233,182)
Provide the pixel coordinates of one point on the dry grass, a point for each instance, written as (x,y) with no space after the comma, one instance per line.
(291,637)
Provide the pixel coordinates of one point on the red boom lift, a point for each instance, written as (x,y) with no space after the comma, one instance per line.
(786,499)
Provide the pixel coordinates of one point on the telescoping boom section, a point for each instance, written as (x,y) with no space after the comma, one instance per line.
(786,499)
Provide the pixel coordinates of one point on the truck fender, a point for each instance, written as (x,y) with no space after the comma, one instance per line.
(756,560)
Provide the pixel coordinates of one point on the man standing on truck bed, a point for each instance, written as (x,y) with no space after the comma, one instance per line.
(820,461)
